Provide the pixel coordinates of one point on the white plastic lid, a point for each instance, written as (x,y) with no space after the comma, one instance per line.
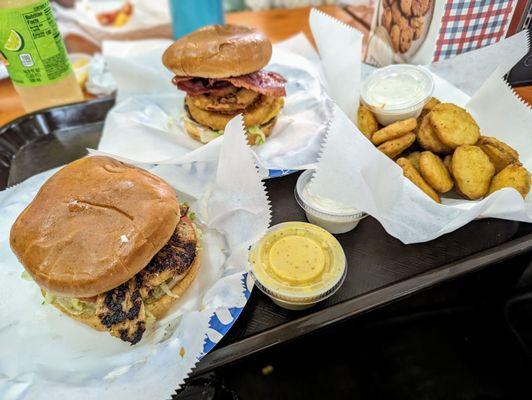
(397,87)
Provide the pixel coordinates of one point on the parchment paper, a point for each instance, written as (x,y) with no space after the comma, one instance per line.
(146,123)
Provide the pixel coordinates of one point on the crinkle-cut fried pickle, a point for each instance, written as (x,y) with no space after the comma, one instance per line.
(472,171)
(367,123)
(500,154)
(411,173)
(514,176)
(435,173)
(447,161)
(427,138)
(414,158)
(453,125)
(392,148)
(393,131)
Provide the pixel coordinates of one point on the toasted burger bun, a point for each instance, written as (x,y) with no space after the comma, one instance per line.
(159,308)
(93,225)
(195,130)
(219,51)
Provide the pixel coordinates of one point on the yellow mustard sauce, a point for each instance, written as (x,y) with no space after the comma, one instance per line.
(297,261)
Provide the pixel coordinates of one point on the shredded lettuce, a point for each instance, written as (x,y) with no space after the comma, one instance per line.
(48,298)
(167,290)
(150,318)
(258,136)
(207,135)
(192,216)
(27,277)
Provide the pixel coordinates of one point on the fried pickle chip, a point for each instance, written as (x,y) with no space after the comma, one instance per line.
(411,173)
(447,161)
(453,125)
(500,154)
(392,148)
(414,158)
(435,173)
(427,138)
(367,123)
(429,105)
(393,131)
(514,176)
(472,171)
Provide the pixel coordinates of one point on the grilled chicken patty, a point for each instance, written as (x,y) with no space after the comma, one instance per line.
(121,310)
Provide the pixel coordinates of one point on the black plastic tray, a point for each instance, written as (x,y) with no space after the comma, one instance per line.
(381,268)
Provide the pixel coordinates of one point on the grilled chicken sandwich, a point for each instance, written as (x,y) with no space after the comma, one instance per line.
(108,244)
(220,69)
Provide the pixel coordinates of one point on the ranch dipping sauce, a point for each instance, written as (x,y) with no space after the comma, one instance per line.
(298,264)
(327,213)
(397,92)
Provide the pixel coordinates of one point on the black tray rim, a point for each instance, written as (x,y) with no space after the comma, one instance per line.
(339,312)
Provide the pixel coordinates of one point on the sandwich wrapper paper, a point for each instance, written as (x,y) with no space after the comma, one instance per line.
(146,124)
(352,171)
(149,19)
(46,355)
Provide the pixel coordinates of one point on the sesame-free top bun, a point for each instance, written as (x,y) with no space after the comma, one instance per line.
(93,225)
(219,51)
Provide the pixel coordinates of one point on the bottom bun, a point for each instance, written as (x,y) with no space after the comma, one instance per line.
(197,131)
(158,308)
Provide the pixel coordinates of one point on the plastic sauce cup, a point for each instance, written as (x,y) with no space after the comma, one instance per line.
(335,220)
(397,92)
(298,264)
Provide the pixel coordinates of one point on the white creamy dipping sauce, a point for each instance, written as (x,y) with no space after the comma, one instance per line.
(326,205)
(395,90)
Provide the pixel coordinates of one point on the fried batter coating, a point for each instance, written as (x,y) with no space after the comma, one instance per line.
(472,170)
(500,154)
(231,103)
(428,139)
(367,123)
(259,113)
(414,158)
(514,176)
(435,173)
(453,125)
(392,148)
(393,131)
(411,173)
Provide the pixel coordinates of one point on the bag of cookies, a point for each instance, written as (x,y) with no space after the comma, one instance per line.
(425,31)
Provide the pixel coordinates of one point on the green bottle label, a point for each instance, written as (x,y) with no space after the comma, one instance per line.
(32,46)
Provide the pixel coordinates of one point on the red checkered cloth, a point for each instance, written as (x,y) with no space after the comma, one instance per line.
(470,24)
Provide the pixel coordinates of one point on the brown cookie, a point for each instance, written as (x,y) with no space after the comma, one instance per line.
(395,33)
(416,23)
(397,16)
(386,19)
(420,7)
(405,39)
(405,6)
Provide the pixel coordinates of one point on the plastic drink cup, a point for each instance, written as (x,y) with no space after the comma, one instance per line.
(189,15)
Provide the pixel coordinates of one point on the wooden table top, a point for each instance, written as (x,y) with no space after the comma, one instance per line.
(276,24)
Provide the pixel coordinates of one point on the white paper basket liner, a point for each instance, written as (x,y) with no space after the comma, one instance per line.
(352,171)
(146,124)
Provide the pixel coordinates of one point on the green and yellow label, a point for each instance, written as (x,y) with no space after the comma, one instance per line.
(31,45)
